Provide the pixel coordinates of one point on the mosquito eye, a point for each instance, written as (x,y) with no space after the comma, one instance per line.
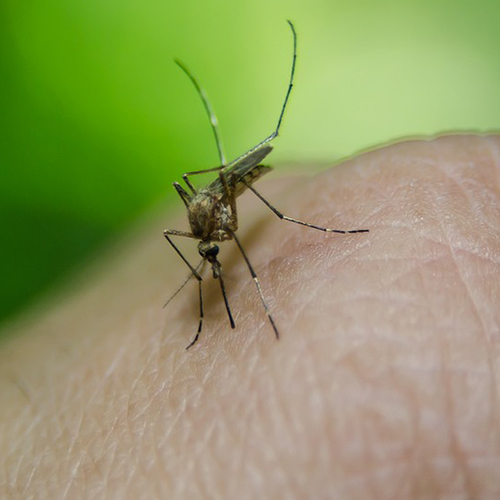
(212,251)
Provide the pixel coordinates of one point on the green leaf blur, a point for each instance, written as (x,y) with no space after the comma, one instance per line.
(96,121)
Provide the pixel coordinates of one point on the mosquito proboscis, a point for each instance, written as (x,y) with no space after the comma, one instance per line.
(212,210)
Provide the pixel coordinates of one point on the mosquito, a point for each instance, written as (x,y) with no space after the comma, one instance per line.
(212,210)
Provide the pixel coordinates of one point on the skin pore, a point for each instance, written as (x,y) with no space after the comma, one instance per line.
(384,385)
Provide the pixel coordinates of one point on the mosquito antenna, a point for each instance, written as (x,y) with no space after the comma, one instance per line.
(287,96)
(184,284)
(224,295)
(290,84)
(211,114)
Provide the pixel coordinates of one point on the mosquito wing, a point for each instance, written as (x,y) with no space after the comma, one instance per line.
(248,160)
(247,167)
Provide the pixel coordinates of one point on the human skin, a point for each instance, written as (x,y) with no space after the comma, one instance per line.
(384,384)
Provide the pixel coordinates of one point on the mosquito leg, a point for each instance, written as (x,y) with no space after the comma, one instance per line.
(186,281)
(226,301)
(182,193)
(229,192)
(188,183)
(257,284)
(200,323)
(296,221)
(197,275)
(199,172)
(173,232)
(205,171)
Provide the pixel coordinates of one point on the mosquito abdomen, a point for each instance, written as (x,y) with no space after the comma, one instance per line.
(250,177)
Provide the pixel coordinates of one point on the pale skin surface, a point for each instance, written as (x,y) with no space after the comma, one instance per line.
(385,384)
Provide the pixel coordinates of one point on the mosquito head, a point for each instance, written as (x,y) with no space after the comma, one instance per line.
(208,251)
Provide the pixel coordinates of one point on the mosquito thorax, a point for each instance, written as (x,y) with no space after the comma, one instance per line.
(209,217)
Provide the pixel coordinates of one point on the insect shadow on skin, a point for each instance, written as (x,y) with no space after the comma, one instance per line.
(212,210)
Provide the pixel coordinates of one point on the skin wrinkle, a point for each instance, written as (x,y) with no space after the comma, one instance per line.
(315,262)
(73,439)
(12,474)
(357,455)
(73,474)
(241,445)
(132,400)
(456,447)
(484,330)
(495,151)
(317,405)
(110,450)
(364,484)
(31,475)
(468,289)
(478,214)
(219,422)
(414,415)
(452,432)
(94,446)
(283,419)
(197,457)
(243,456)
(249,409)
(420,466)
(272,457)
(110,431)
(28,420)
(200,442)
(473,252)
(423,274)
(160,489)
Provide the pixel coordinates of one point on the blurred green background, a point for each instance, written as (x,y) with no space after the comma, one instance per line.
(96,121)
